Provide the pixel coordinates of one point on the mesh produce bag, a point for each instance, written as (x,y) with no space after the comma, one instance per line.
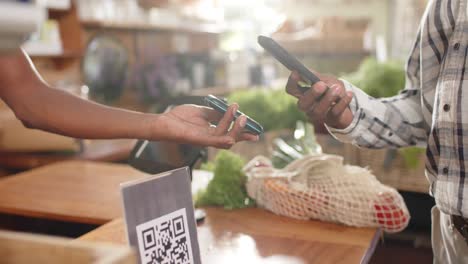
(321,187)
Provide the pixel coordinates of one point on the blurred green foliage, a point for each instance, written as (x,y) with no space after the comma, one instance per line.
(411,156)
(378,79)
(273,109)
(302,143)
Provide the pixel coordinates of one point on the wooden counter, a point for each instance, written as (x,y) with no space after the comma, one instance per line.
(94,150)
(89,192)
(258,236)
(74,191)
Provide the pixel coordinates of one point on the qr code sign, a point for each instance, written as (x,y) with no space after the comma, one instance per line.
(165,240)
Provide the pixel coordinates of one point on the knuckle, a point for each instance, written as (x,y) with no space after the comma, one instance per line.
(339,88)
(345,101)
(291,90)
(337,99)
(348,100)
(300,105)
(316,112)
(320,84)
(329,99)
(224,146)
(335,112)
(213,130)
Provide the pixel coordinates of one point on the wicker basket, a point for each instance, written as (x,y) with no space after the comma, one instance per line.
(389,167)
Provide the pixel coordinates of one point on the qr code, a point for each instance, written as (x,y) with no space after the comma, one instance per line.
(165,240)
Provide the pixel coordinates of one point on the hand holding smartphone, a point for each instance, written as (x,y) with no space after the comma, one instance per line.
(290,62)
(221,106)
(320,104)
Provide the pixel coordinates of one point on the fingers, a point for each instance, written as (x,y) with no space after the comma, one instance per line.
(238,128)
(312,96)
(236,134)
(224,136)
(327,102)
(226,142)
(225,123)
(291,86)
(222,142)
(330,80)
(295,78)
(192,124)
(342,105)
(249,137)
(211,115)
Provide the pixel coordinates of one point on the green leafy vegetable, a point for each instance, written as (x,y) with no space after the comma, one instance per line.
(274,109)
(227,188)
(208,166)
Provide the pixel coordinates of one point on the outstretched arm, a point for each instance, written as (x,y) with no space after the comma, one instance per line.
(39,106)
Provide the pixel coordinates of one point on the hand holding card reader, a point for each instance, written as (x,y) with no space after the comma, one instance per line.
(221,106)
(290,62)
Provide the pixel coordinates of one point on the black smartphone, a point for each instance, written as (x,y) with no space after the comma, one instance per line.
(155,157)
(221,106)
(289,61)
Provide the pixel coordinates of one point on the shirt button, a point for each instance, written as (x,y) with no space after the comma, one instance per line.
(446,107)
(456,46)
(445,170)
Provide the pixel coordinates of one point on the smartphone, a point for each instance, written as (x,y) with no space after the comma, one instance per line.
(221,106)
(155,157)
(289,61)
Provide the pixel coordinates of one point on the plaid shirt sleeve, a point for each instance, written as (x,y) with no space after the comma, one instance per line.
(389,122)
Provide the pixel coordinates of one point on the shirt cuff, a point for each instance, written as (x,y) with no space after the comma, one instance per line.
(351,132)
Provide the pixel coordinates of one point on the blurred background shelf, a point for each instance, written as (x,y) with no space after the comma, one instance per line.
(193,29)
(57,5)
(63,55)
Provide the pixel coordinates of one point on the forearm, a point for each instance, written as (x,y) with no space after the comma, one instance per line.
(390,122)
(63,113)
(39,106)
